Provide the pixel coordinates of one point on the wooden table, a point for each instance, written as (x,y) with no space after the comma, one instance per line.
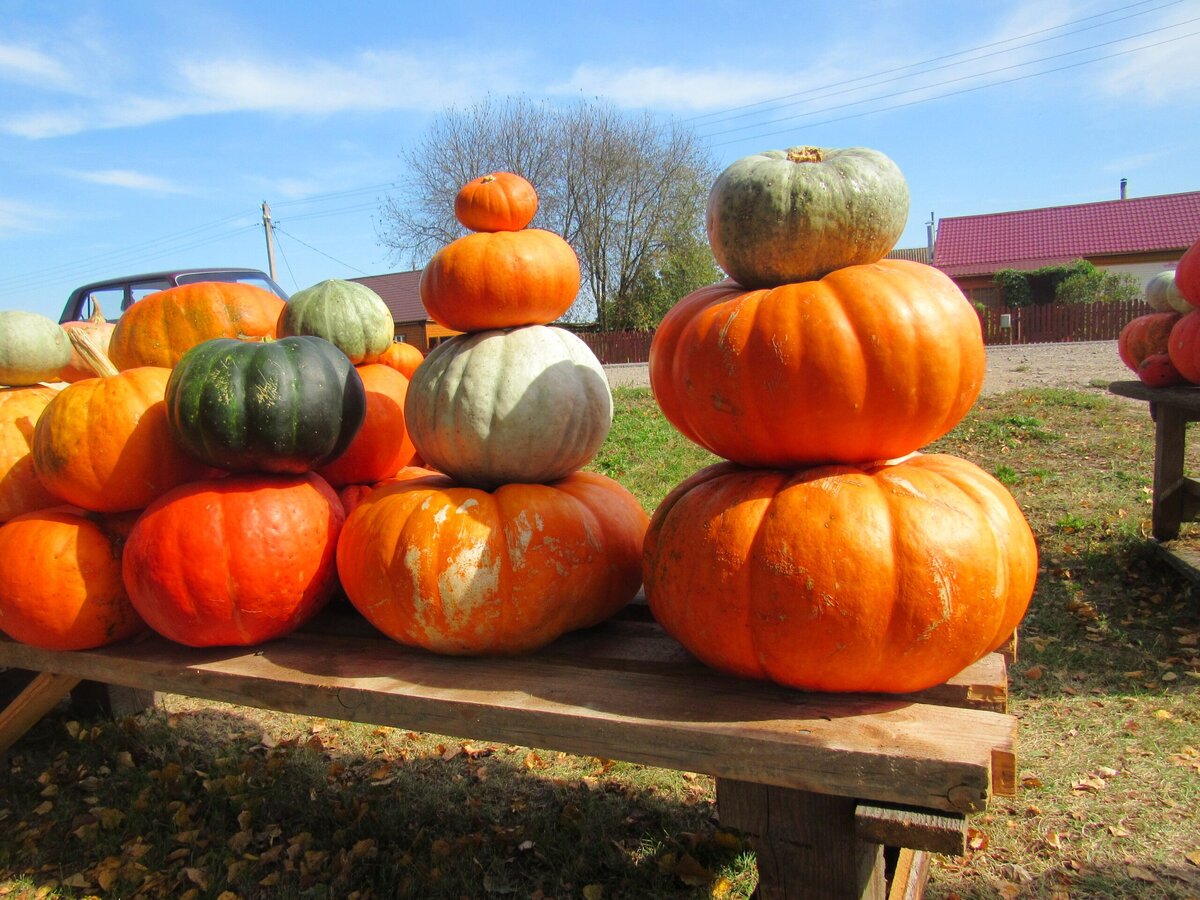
(820,783)
(1175,497)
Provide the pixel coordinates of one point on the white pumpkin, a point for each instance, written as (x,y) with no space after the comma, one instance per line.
(518,405)
(1163,296)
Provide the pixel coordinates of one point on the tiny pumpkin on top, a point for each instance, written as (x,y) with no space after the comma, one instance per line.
(501,201)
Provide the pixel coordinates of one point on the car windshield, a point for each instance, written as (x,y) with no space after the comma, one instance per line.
(251,278)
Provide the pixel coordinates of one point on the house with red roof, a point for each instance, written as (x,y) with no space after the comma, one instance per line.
(401,292)
(1140,235)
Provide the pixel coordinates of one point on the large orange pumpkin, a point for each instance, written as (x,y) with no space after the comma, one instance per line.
(888,578)
(235,561)
(21,491)
(870,362)
(463,571)
(382,445)
(60,579)
(159,329)
(500,279)
(104,443)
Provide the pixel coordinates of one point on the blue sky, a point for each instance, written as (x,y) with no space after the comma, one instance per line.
(137,136)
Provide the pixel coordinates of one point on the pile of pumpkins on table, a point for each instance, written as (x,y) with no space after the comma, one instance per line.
(241,458)
(1163,347)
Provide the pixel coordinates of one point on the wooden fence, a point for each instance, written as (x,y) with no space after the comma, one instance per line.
(1051,324)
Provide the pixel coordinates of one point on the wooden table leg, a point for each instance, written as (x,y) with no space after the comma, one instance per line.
(1170,429)
(38,698)
(805,843)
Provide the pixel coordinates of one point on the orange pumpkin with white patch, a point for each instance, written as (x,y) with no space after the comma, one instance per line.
(464,571)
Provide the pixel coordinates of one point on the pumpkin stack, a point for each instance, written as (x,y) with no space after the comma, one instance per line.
(1162,347)
(826,553)
(512,546)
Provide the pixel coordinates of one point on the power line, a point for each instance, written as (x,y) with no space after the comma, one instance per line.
(892,71)
(967,90)
(322,252)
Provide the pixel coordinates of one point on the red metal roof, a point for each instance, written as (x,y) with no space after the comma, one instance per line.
(400,291)
(1031,238)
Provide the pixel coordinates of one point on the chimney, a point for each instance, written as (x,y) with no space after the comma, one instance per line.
(1124,187)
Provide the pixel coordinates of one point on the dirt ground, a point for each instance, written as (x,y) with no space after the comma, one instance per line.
(1088,364)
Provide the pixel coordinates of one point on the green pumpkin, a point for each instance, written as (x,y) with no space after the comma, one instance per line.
(349,315)
(528,405)
(277,406)
(796,215)
(33,348)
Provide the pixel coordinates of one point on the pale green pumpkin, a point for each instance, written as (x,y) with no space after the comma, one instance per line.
(785,216)
(33,348)
(349,315)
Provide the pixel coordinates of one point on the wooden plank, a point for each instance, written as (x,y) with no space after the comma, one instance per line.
(910,875)
(805,843)
(888,749)
(1186,398)
(917,829)
(39,697)
(1183,559)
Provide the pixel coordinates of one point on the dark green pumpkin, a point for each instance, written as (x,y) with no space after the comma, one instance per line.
(278,406)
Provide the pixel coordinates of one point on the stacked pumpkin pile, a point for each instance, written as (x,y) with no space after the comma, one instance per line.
(826,553)
(1163,347)
(512,546)
(190,483)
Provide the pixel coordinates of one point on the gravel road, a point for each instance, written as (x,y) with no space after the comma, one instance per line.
(1079,365)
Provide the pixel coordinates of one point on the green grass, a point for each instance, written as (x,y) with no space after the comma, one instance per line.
(207,800)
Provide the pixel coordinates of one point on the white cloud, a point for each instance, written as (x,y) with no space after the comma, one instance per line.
(1160,75)
(125,178)
(30,66)
(23,218)
(368,82)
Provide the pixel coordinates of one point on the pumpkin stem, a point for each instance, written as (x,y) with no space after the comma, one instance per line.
(97,317)
(805,154)
(487,179)
(91,353)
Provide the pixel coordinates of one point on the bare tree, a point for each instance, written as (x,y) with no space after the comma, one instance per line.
(619,188)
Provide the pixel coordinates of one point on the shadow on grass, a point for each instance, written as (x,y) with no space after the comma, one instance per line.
(158,805)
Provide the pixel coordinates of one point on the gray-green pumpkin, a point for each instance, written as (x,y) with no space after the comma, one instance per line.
(785,216)
(33,348)
(528,405)
(349,315)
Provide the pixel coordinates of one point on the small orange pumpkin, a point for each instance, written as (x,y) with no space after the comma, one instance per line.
(60,579)
(1145,336)
(500,279)
(502,201)
(464,571)
(160,328)
(890,577)
(403,357)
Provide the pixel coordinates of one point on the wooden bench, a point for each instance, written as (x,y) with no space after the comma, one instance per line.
(820,783)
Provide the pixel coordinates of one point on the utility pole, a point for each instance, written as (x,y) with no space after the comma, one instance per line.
(266,211)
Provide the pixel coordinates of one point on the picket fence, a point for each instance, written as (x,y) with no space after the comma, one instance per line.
(1050,324)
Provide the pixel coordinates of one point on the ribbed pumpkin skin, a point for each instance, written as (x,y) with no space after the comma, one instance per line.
(501,201)
(500,279)
(466,572)
(794,215)
(33,348)
(871,362)
(349,315)
(21,491)
(382,445)
(103,443)
(889,578)
(235,561)
(1145,336)
(60,580)
(530,404)
(282,406)
(159,329)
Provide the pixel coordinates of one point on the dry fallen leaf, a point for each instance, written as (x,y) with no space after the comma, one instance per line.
(1139,873)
